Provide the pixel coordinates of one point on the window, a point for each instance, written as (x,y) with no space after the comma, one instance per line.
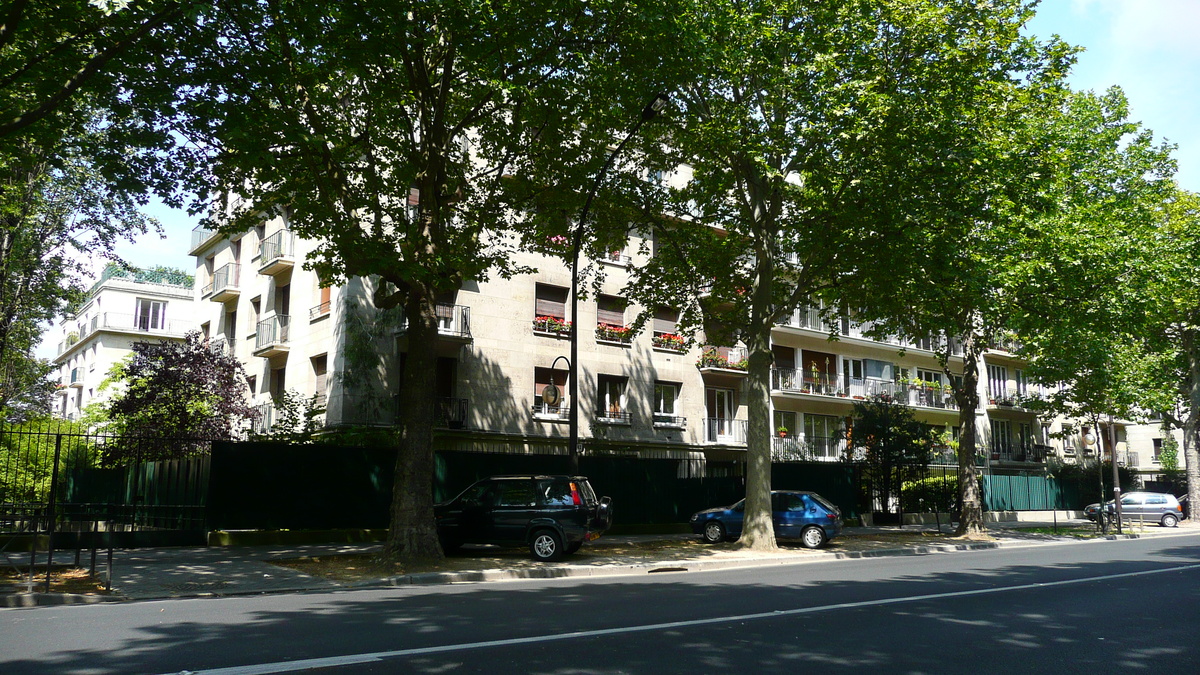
(929,376)
(252,382)
(1158,446)
(1022,385)
(151,314)
(543,378)
(278,382)
(515,493)
(997,382)
(235,247)
(283,300)
(255,311)
(610,398)
(1001,437)
(785,423)
(822,435)
(551,301)
(319,375)
(666,321)
(610,310)
(666,401)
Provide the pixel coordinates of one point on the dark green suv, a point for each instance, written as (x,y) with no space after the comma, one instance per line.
(553,515)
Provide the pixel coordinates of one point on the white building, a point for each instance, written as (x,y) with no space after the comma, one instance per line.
(122,308)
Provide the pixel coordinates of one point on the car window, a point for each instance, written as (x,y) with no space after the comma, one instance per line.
(740,506)
(476,495)
(557,493)
(829,506)
(516,493)
(1156,499)
(794,503)
(1131,500)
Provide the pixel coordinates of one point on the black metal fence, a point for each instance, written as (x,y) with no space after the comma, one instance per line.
(56,477)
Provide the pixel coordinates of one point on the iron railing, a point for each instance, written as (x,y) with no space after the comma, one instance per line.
(272,331)
(724,431)
(452,320)
(278,245)
(225,278)
(808,449)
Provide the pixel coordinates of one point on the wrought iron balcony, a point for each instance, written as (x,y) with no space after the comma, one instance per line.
(808,449)
(271,336)
(724,431)
(276,253)
(453,321)
(224,284)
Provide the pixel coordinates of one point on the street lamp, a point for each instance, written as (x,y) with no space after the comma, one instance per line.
(649,112)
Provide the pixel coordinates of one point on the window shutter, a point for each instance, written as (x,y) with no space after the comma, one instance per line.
(551,301)
(665,320)
(611,310)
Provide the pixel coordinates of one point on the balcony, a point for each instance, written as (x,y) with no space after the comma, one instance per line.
(450,413)
(319,311)
(1023,398)
(808,449)
(264,418)
(222,345)
(453,321)
(202,238)
(271,337)
(619,417)
(809,318)
(77,378)
(733,362)
(665,421)
(551,413)
(552,326)
(224,284)
(1005,343)
(669,342)
(616,258)
(276,253)
(140,323)
(1028,454)
(610,334)
(724,431)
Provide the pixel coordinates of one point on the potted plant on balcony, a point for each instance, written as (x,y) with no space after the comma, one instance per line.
(614,333)
(551,324)
(669,341)
(782,431)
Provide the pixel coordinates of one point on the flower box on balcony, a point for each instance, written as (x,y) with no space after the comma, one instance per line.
(612,334)
(713,359)
(551,325)
(669,342)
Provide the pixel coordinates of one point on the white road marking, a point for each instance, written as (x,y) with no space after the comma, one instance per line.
(356,659)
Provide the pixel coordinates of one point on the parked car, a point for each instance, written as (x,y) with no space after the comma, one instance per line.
(796,514)
(1155,507)
(553,515)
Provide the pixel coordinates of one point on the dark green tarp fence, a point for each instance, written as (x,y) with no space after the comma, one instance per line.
(281,486)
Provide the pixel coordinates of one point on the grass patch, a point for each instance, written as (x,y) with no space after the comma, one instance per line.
(1088,532)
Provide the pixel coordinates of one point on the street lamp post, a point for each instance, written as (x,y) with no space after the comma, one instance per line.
(649,112)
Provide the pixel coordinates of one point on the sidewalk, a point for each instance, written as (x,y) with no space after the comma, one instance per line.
(142,574)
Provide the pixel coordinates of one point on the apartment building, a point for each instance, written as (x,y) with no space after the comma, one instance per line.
(123,307)
(506,341)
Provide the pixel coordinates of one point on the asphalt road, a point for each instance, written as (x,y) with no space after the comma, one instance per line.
(1091,607)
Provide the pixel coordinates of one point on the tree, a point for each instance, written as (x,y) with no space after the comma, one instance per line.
(176,395)
(824,151)
(388,132)
(895,447)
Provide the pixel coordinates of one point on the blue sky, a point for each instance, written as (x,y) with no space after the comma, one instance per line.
(1150,48)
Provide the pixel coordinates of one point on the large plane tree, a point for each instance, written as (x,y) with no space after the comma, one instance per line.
(828,146)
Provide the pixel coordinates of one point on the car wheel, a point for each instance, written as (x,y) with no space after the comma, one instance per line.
(572,547)
(1169,520)
(546,546)
(714,532)
(812,537)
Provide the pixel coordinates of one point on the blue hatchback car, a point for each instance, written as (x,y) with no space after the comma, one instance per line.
(796,514)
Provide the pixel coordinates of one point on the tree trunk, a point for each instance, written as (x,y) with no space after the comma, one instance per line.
(758,533)
(412,532)
(970,522)
(1191,442)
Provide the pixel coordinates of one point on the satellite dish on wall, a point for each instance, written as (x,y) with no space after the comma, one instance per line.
(550,395)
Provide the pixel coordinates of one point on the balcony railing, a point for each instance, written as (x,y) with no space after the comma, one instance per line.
(224,282)
(1019,398)
(77,377)
(552,325)
(928,396)
(542,411)
(808,449)
(613,416)
(724,431)
(320,310)
(264,418)
(278,245)
(607,332)
(272,332)
(1031,453)
(670,421)
(202,236)
(450,413)
(452,321)
(221,344)
(810,318)
(711,358)
(616,258)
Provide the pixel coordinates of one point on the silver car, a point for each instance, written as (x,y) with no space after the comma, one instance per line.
(1152,507)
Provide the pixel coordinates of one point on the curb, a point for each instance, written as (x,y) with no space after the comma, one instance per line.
(54,599)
